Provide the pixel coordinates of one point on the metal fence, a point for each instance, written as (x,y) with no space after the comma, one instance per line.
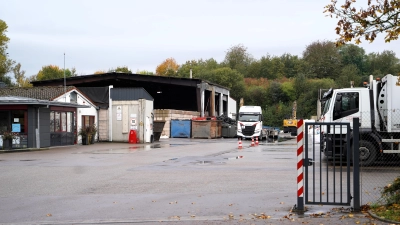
(379,153)
(380,150)
(378,146)
(328,176)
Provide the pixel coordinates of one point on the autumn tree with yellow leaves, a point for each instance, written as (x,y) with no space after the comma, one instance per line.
(381,16)
(167,68)
(54,72)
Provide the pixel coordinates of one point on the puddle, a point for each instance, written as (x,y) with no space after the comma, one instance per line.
(27,160)
(131,149)
(156,146)
(206,162)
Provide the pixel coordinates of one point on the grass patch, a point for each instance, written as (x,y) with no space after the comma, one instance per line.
(391,212)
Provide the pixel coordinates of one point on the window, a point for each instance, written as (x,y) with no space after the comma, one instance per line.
(73,97)
(349,104)
(87,121)
(350,101)
(57,121)
(249,117)
(62,121)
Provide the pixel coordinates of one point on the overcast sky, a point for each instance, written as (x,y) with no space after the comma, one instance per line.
(99,34)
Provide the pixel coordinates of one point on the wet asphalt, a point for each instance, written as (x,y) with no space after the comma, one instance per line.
(173,181)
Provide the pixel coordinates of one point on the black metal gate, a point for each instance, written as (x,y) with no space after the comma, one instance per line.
(329,175)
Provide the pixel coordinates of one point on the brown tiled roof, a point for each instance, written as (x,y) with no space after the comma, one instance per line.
(42,93)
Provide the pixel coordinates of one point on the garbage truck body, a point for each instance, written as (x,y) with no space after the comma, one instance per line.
(377,106)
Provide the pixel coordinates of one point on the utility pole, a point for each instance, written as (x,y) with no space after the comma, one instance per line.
(65,82)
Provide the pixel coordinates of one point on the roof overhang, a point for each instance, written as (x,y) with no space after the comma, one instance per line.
(16,100)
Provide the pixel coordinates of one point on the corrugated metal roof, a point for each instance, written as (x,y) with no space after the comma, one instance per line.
(42,93)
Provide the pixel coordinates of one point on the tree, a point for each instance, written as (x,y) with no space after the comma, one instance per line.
(379,17)
(274,114)
(228,78)
(197,66)
(300,84)
(307,101)
(167,68)
(275,94)
(100,72)
(288,90)
(382,63)
(254,69)
(238,59)
(52,72)
(73,72)
(349,73)
(120,69)
(19,76)
(323,58)
(256,95)
(353,55)
(144,72)
(6,64)
(292,65)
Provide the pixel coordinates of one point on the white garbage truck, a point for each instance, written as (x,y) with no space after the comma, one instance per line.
(377,105)
(250,123)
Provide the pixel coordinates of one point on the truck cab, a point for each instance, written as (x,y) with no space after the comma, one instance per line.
(249,122)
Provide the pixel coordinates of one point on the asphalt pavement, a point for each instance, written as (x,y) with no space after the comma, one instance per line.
(173,181)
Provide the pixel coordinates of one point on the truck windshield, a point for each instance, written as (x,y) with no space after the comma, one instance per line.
(249,117)
(326,106)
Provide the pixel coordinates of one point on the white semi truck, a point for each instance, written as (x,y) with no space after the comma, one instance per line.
(377,106)
(250,123)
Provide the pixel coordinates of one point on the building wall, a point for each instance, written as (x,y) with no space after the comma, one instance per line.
(170,114)
(81,100)
(232,108)
(32,124)
(124,112)
(103,125)
(44,127)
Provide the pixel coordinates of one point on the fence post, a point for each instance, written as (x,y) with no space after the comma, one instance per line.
(300,169)
(356,166)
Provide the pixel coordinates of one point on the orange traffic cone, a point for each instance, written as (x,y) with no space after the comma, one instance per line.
(256,141)
(240,143)
(252,141)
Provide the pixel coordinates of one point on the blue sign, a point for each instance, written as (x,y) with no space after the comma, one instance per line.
(16,127)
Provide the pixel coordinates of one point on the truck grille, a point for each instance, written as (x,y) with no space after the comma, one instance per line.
(248,130)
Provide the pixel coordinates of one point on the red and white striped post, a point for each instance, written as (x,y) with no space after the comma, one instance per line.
(300,183)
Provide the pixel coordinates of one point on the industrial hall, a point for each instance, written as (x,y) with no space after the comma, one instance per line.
(114,102)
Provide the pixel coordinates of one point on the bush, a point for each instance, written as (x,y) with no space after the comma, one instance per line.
(391,192)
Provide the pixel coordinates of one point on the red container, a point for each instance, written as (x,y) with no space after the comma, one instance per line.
(133,137)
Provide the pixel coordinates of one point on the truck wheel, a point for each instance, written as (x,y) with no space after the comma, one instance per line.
(367,153)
